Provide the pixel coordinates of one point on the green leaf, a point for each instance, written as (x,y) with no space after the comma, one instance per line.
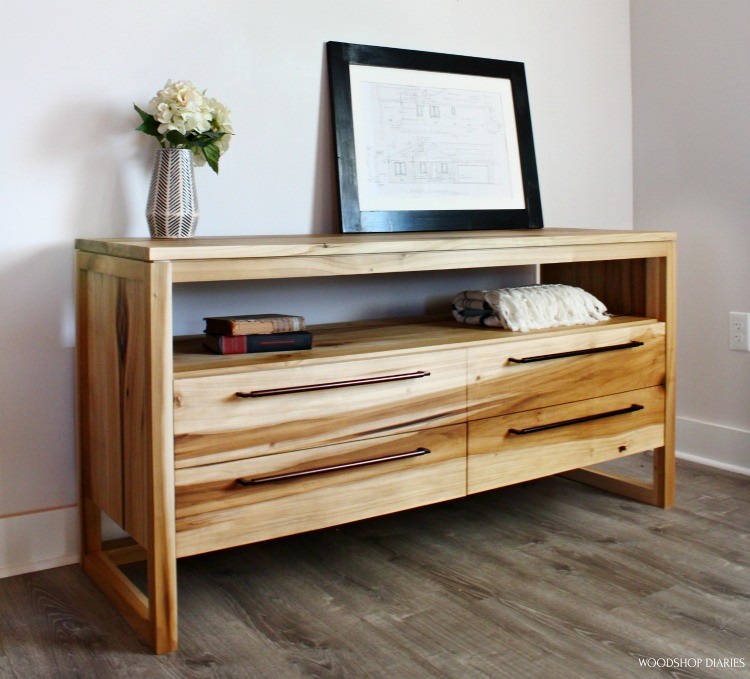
(212,153)
(149,127)
(206,138)
(144,116)
(149,124)
(176,138)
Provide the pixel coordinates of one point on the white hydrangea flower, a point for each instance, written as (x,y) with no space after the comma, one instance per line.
(221,115)
(221,122)
(181,107)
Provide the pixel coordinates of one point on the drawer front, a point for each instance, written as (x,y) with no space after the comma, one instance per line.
(536,443)
(230,417)
(310,489)
(538,371)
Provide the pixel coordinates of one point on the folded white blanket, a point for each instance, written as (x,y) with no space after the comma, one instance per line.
(529,307)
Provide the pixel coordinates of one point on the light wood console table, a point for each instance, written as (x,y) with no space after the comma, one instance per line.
(190,452)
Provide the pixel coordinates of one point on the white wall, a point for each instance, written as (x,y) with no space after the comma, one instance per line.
(691,97)
(73,167)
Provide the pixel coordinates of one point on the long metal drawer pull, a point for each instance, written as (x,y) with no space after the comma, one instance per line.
(554,425)
(333,468)
(331,385)
(577,352)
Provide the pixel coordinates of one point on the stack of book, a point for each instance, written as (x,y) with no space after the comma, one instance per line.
(256,333)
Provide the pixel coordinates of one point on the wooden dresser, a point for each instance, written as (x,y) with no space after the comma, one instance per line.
(190,452)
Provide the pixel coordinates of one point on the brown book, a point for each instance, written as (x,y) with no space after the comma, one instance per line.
(253,324)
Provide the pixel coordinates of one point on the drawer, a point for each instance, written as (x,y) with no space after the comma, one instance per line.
(535,443)
(310,489)
(229,417)
(541,371)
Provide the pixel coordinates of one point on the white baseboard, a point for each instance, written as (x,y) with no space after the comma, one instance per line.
(33,542)
(714,445)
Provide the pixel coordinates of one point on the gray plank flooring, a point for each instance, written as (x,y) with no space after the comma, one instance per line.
(546,579)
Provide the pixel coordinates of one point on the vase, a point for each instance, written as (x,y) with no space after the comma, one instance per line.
(172,207)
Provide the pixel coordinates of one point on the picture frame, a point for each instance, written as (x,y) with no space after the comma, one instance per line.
(431,142)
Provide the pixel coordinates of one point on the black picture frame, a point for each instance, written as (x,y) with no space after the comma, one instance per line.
(341,56)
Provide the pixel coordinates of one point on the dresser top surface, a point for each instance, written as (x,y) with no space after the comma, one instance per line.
(233,247)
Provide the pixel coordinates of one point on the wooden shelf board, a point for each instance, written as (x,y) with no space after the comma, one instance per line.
(239,247)
(336,341)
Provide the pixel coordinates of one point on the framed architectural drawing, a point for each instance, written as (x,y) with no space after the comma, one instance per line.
(431,142)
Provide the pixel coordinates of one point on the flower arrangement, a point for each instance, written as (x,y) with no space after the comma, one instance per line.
(182,117)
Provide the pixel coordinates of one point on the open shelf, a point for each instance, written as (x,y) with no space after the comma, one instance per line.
(334,341)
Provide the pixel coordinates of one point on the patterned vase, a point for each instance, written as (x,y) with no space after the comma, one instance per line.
(172,208)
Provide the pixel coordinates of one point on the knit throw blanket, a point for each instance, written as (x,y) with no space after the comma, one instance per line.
(528,308)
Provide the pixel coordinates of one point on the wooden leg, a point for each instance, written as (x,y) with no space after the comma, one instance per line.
(162,562)
(162,591)
(125,436)
(614,483)
(96,563)
(122,552)
(162,594)
(664,476)
(153,618)
(91,528)
(126,597)
(660,492)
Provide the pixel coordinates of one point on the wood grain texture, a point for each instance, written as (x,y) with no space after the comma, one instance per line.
(377,338)
(105,392)
(110,265)
(233,247)
(496,385)
(620,284)
(158,493)
(215,513)
(547,579)
(627,486)
(259,268)
(662,282)
(136,403)
(126,357)
(655,286)
(211,487)
(124,551)
(498,457)
(126,434)
(113,421)
(645,287)
(212,424)
(89,514)
(128,599)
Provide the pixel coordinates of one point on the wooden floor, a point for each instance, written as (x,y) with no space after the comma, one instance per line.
(549,579)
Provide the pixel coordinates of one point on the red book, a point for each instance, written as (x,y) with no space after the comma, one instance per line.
(253,344)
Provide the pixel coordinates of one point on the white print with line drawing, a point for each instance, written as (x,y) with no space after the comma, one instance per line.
(434,141)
